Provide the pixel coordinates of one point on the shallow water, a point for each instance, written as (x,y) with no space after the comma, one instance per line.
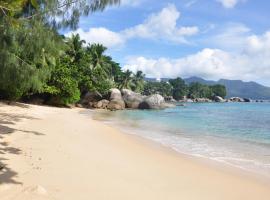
(237,134)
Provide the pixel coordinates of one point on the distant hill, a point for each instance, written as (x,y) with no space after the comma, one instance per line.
(238,88)
(235,88)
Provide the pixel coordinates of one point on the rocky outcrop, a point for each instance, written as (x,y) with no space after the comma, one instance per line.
(236,99)
(259,101)
(189,101)
(218,99)
(202,100)
(247,100)
(132,99)
(155,101)
(170,99)
(78,105)
(102,104)
(124,99)
(116,105)
(116,100)
(90,98)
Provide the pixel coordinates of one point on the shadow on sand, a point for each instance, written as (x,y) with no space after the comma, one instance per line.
(7,175)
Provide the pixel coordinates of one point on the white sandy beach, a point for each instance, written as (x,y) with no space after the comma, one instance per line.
(62,154)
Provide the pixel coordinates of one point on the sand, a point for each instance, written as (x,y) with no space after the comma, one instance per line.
(62,154)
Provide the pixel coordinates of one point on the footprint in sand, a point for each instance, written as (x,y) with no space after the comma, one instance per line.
(38,189)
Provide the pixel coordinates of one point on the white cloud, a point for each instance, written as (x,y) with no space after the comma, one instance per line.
(187,31)
(207,63)
(162,26)
(258,44)
(158,26)
(230,3)
(252,62)
(100,35)
(230,37)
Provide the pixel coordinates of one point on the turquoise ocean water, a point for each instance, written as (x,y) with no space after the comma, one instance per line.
(237,134)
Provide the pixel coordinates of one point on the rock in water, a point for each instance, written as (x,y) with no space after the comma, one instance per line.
(218,99)
(155,101)
(236,99)
(247,100)
(116,100)
(202,100)
(132,99)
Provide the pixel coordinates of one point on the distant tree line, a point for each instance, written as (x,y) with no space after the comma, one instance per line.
(178,89)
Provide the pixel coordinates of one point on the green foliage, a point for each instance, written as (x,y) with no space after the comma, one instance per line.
(35,59)
(198,90)
(67,13)
(31,47)
(91,69)
(26,59)
(55,13)
(62,87)
(11,7)
(116,72)
(126,80)
(101,83)
(77,57)
(180,88)
(138,82)
(219,90)
(100,63)
(162,88)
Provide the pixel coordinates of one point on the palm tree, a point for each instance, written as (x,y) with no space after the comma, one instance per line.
(127,78)
(97,53)
(75,47)
(99,61)
(138,81)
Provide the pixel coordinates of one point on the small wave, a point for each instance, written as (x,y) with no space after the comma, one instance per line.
(221,136)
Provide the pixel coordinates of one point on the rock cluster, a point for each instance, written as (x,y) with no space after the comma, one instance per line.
(155,101)
(116,100)
(202,100)
(236,99)
(132,99)
(120,100)
(218,99)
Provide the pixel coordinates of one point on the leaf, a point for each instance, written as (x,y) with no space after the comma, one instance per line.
(34,3)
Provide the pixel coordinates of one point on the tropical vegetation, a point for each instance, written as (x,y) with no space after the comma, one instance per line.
(36,61)
(178,89)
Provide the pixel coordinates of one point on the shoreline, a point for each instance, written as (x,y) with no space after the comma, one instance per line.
(220,165)
(58,153)
(134,128)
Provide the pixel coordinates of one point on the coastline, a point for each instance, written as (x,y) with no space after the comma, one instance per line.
(221,165)
(58,153)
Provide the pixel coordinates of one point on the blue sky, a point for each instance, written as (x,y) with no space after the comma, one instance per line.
(212,39)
